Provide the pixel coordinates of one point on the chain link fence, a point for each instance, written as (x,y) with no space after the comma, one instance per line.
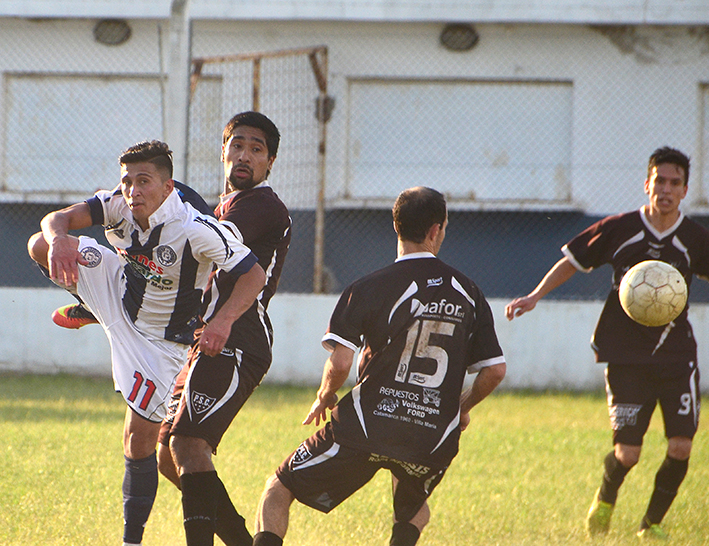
(533,132)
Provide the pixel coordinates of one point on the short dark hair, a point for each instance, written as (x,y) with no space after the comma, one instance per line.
(416,210)
(259,121)
(669,155)
(149,151)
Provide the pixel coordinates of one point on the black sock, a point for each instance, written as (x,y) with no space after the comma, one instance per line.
(200,492)
(266,538)
(230,526)
(667,481)
(140,487)
(404,534)
(613,477)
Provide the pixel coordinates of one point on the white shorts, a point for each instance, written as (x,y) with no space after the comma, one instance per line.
(144,368)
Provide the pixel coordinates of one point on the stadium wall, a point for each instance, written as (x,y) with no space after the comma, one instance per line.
(546,350)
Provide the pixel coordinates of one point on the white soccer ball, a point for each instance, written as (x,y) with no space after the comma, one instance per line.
(653,293)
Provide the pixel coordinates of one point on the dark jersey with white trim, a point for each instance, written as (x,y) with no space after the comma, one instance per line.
(261,221)
(421,325)
(623,241)
(166,267)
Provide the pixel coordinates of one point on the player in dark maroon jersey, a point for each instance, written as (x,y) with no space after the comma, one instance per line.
(420,325)
(212,389)
(645,364)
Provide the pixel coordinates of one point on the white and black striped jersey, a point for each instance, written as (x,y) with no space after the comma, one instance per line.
(623,241)
(167,267)
(421,325)
(261,221)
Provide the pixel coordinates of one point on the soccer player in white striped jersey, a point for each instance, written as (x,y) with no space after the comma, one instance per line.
(146,295)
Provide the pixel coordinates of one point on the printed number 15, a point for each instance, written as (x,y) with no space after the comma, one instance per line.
(423,349)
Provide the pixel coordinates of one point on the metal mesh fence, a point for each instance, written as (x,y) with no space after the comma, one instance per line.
(533,134)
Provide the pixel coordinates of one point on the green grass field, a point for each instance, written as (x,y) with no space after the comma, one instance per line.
(527,469)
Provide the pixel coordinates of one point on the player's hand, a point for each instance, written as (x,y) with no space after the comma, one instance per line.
(318,411)
(63,258)
(214,337)
(464,420)
(520,306)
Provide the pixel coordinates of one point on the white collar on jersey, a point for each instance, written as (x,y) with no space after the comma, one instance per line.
(415,255)
(223,198)
(169,208)
(652,229)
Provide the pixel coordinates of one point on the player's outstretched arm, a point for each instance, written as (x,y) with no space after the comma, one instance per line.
(562,271)
(245,291)
(62,254)
(486,381)
(335,373)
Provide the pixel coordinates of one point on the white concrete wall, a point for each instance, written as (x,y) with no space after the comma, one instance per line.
(546,349)
(615,78)
(577,11)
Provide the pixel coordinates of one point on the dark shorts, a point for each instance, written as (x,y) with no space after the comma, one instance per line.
(634,390)
(208,394)
(321,474)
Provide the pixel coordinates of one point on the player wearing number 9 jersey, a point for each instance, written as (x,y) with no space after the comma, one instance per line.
(420,326)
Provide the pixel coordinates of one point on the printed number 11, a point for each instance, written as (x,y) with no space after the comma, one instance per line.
(149,390)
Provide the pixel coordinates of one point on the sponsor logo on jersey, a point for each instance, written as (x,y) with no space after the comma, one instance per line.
(388,404)
(432,396)
(434,282)
(396,393)
(201,402)
(165,255)
(147,268)
(301,455)
(623,415)
(91,255)
(412,469)
(443,308)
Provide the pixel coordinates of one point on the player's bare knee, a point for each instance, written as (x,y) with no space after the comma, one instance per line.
(37,248)
(422,517)
(679,448)
(627,455)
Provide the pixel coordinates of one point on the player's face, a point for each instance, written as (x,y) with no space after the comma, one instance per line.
(245,158)
(666,188)
(144,190)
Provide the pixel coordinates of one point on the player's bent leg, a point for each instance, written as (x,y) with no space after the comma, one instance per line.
(668,479)
(38,248)
(272,514)
(598,519)
(627,455)
(679,447)
(166,465)
(407,533)
(206,505)
(140,481)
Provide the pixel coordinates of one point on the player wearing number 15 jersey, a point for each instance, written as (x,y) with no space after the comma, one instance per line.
(420,326)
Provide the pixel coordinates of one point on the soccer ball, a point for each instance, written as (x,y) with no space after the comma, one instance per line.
(653,293)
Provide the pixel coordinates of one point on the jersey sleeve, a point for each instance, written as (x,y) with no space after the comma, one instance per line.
(590,248)
(346,323)
(484,347)
(215,243)
(104,206)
